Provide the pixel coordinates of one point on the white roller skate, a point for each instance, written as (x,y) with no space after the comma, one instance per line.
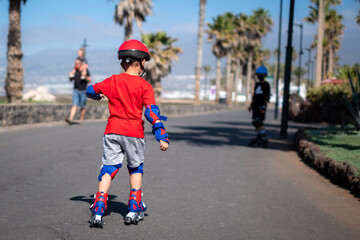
(136,207)
(98,209)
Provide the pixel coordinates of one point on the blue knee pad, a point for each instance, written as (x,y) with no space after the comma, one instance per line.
(112,170)
(138,169)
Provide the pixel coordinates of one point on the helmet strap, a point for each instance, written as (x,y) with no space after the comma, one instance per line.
(143,73)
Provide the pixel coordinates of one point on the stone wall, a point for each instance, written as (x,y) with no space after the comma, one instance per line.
(11,115)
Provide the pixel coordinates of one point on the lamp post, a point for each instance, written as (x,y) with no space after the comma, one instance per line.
(278,66)
(285,110)
(300,53)
(308,80)
(85,45)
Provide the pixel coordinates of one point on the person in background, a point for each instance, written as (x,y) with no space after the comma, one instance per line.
(81,77)
(258,107)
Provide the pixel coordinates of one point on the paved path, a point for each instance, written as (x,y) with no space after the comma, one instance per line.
(208,185)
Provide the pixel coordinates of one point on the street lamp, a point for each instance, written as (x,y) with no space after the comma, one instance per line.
(285,110)
(300,53)
(308,64)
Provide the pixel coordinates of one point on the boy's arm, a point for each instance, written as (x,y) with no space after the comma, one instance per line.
(152,114)
(90,93)
(98,90)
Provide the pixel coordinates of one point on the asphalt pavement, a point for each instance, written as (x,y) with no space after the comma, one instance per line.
(208,185)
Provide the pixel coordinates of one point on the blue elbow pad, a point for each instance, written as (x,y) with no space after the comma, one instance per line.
(152,114)
(90,93)
(160,132)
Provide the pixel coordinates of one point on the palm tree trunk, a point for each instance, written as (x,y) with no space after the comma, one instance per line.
(199,50)
(218,79)
(331,60)
(128,30)
(157,92)
(229,79)
(14,77)
(238,74)
(248,78)
(320,39)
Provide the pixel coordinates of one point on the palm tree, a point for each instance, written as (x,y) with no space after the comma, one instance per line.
(259,24)
(14,82)
(207,70)
(162,54)
(199,50)
(318,13)
(238,60)
(357,19)
(261,57)
(221,32)
(320,39)
(299,71)
(333,32)
(232,41)
(126,11)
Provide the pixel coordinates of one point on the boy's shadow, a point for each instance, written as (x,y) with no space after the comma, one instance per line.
(112,206)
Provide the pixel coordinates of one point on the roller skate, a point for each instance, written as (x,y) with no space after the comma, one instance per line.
(264,142)
(260,141)
(136,207)
(98,209)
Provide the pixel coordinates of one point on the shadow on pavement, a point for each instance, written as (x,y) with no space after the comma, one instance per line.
(112,206)
(228,133)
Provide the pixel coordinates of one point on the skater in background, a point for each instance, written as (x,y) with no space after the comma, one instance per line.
(127,93)
(81,77)
(258,107)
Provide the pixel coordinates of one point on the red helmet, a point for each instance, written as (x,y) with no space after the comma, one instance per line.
(133,49)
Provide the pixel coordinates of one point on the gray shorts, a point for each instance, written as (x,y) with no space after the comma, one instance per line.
(117,146)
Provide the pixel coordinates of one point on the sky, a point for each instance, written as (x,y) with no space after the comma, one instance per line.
(49,24)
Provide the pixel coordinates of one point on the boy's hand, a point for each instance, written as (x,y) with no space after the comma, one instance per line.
(163,145)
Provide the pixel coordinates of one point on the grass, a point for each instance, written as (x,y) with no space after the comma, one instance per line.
(342,145)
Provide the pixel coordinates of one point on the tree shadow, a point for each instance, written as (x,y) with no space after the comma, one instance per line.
(112,206)
(222,133)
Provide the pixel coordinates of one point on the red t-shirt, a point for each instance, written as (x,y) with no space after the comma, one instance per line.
(127,95)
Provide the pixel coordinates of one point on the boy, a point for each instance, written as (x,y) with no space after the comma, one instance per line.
(258,106)
(124,134)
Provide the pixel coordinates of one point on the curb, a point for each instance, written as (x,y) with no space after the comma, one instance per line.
(341,173)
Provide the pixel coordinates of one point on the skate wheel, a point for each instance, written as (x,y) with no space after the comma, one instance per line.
(127,220)
(92,221)
(102,223)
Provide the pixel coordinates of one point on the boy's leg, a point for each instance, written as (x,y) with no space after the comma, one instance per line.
(135,204)
(105,183)
(107,173)
(135,181)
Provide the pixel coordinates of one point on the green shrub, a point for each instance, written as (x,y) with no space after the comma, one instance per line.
(329,93)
